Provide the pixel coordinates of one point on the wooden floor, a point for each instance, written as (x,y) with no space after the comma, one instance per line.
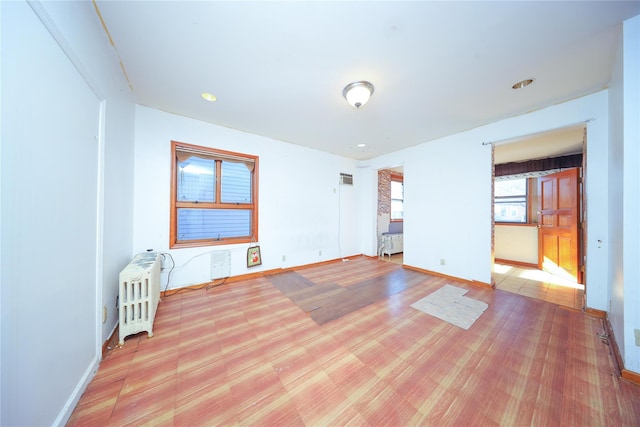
(245,354)
(326,302)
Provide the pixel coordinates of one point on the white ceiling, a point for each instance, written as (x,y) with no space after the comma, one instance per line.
(278,68)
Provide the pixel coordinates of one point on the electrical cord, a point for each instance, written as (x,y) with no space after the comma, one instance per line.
(206,286)
(215,285)
(173,265)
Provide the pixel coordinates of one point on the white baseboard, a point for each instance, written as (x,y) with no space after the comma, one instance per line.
(72,401)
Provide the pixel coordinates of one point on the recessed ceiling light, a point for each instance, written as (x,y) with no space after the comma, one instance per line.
(208,96)
(362,145)
(522,84)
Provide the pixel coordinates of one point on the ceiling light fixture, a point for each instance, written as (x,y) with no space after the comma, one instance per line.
(358,93)
(208,96)
(522,84)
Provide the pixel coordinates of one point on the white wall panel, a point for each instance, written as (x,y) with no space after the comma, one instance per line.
(631,212)
(49,222)
(66,215)
(517,243)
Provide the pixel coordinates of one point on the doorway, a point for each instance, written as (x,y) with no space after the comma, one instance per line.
(390,214)
(534,253)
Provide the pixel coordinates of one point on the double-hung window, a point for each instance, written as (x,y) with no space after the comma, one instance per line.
(214,196)
(510,203)
(397,197)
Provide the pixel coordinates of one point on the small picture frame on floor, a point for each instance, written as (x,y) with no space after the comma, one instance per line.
(253,256)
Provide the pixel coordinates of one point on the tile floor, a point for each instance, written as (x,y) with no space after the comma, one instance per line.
(244,354)
(539,284)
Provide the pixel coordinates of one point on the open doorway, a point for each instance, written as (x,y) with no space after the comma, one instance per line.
(539,216)
(390,214)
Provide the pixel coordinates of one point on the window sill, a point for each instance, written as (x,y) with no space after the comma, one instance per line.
(206,243)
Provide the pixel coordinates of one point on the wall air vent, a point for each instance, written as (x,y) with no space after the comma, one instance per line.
(346,179)
(220,264)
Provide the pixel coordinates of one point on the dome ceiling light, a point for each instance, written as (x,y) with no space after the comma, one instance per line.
(358,93)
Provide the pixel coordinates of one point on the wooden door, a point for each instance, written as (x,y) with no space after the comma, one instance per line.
(559,224)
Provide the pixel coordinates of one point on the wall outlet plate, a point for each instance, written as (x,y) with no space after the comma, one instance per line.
(637,332)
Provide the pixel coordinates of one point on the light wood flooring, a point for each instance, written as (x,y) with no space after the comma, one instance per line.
(244,353)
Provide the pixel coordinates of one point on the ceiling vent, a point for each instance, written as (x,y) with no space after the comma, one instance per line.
(346,179)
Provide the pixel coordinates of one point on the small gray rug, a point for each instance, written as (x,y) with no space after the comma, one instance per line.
(449,304)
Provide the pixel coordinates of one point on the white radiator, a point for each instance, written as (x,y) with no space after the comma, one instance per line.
(391,243)
(139,294)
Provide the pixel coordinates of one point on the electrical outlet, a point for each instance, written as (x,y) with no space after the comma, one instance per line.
(442,262)
(637,332)
(320,252)
(104,314)
(284,258)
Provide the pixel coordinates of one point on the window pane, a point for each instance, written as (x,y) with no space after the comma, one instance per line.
(397,209)
(397,196)
(196,224)
(196,177)
(397,190)
(513,187)
(510,203)
(236,183)
(511,209)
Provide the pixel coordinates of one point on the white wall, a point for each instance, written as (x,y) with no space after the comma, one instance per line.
(448,194)
(616,175)
(69,108)
(436,224)
(79,25)
(624,194)
(305,216)
(517,243)
(631,184)
(447,215)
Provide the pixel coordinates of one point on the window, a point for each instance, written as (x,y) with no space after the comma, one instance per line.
(214,196)
(397,197)
(510,204)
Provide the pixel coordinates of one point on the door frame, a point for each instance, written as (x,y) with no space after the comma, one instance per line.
(582,209)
